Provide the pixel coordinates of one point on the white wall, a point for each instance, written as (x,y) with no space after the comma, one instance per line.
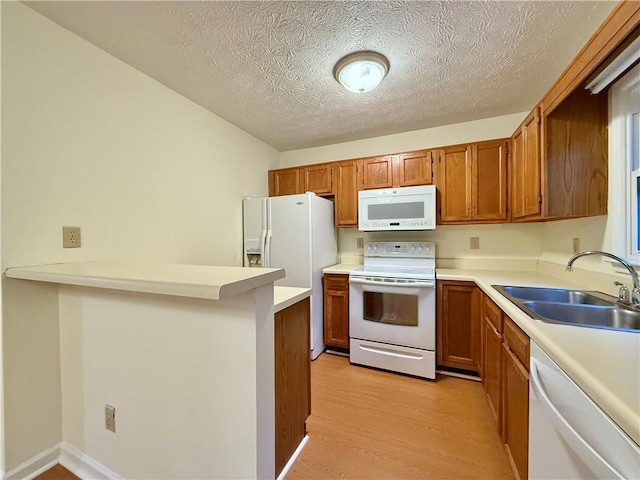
(147,174)
(475,131)
(89,141)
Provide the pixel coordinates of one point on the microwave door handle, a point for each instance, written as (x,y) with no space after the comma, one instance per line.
(423,283)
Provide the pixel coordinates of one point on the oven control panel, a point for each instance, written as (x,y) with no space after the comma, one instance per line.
(400,249)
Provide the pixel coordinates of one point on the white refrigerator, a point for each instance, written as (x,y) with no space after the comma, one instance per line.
(297,233)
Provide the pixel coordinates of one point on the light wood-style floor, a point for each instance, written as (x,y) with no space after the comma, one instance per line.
(370,424)
(57,473)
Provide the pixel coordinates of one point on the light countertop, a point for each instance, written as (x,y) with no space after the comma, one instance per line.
(196,281)
(604,363)
(341,268)
(284,297)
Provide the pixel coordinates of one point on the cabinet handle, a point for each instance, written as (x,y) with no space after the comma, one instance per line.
(494,329)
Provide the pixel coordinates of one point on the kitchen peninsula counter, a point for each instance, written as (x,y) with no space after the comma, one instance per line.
(185,354)
(196,281)
(604,363)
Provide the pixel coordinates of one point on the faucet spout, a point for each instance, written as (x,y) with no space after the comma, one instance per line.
(630,268)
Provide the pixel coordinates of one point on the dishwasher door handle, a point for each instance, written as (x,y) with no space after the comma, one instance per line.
(579,445)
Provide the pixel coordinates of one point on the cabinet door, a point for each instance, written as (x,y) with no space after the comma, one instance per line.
(292,365)
(347,183)
(317,179)
(516,171)
(377,172)
(515,413)
(413,168)
(490,181)
(284,182)
(336,310)
(492,368)
(458,325)
(530,169)
(454,181)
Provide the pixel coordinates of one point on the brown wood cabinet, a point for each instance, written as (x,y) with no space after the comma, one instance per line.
(526,194)
(336,310)
(491,372)
(317,179)
(414,168)
(285,181)
(515,396)
(292,364)
(458,325)
(472,183)
(347,182)
(377,172)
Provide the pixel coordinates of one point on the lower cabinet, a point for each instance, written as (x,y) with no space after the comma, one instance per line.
(491,355)
(515,396)
(336,310)
(292,379)
(458,325)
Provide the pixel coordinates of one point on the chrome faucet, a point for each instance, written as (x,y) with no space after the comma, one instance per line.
(623,296)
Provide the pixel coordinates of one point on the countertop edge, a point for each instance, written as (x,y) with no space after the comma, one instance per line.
(284,297)
(208,291)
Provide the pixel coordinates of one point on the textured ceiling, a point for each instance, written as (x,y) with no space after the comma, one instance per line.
(267,66)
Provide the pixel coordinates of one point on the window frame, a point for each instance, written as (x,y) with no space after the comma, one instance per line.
(623,184)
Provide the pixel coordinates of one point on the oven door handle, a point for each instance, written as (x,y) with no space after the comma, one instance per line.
(421,283)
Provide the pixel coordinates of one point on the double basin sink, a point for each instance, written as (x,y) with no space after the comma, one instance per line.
(573,307)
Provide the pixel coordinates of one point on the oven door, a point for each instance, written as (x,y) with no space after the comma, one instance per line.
(393,311)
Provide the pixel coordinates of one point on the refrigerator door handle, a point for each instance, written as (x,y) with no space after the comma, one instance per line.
(267,250)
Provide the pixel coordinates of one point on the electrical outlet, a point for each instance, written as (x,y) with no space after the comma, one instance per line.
(110,418)
(71,237)
(576,245)
(360,242)
(474,243)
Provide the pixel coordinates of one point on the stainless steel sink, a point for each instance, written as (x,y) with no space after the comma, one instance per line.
(585,315)
(553,295)
(572,307)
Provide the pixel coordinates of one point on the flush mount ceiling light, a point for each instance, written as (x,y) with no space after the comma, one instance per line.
(361,72)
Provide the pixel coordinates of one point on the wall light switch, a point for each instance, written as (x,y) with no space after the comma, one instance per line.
(474,243)
(71,237)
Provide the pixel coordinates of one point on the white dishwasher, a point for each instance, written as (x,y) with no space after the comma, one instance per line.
(570,437)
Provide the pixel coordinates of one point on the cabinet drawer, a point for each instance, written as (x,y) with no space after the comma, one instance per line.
(336,282)
(517,341)
(492,313)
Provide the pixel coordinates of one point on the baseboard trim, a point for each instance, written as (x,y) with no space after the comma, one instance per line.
(293,458)
(35,465)
(83,465)
(66,455)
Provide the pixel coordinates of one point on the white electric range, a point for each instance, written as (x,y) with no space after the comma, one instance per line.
(392,308)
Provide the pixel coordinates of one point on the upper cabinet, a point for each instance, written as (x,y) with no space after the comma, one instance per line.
(377,172)
(559,162)
(414,168)
(348,181)
(472,183)
(559,166)
(526,196)
(284,182)
(401,170)
(318,179)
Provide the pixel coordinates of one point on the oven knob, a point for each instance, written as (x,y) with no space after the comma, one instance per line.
(419,249)
(413,249)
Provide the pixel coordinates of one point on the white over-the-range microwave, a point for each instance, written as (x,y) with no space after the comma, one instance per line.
(404,208)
